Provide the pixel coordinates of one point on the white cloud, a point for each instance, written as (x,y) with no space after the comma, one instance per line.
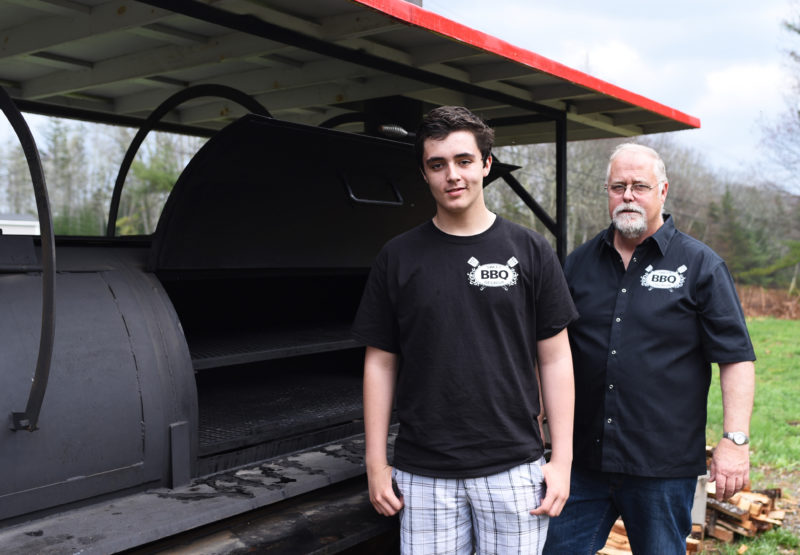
(733,105)
(746,89)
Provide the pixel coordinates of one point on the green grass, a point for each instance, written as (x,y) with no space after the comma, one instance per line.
(769,543)
(775,424)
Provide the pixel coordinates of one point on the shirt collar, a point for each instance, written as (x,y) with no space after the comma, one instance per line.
(662,236)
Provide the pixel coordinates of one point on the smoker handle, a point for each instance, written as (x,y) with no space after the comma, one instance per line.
(359,200)
(222,91)
(29,419)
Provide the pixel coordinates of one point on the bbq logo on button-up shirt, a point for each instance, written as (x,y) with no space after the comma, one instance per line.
(492,275)
(663,279)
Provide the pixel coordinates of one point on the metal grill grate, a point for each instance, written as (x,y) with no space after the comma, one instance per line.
(269,401)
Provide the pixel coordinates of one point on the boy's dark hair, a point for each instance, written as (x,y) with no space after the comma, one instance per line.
(442,121)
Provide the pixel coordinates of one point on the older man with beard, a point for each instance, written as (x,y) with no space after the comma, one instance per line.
(657,308)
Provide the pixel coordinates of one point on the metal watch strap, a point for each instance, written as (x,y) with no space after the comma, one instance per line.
(739,438)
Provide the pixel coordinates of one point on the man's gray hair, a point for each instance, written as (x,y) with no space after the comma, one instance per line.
(659,169)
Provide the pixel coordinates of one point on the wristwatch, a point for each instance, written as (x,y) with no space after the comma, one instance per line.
(739,438)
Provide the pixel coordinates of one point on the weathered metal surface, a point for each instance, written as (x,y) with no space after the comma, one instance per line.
(121,375)
(145,517)
(331,520)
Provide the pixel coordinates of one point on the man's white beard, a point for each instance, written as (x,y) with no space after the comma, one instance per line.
(629,225)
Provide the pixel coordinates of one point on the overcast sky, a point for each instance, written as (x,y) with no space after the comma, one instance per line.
(723,62)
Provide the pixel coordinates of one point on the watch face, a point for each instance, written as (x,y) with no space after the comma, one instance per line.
(737,437)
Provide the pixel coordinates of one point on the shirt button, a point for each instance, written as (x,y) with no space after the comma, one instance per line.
(619,319)
(614,351)
(624,290)
(611,386)
(609,420)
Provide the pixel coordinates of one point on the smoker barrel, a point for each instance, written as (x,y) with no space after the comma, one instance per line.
(264,251)
(121,379)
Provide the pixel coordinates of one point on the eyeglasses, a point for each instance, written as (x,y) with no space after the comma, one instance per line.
(638,189)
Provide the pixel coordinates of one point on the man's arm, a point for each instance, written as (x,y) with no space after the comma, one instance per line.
(558,394)
(730,465)
(380,374)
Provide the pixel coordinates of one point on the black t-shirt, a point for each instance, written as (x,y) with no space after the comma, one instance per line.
(642,351)
(464,315)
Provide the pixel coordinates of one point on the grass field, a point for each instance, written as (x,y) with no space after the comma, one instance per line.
(774,427)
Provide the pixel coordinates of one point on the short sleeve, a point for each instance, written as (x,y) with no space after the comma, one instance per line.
(723,327)
(375,322)
(554,307)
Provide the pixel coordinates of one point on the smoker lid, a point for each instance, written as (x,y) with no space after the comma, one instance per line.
(265,193)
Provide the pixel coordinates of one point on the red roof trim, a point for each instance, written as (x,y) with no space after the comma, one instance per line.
(415,15)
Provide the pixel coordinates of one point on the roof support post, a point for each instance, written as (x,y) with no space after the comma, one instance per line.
(561,188)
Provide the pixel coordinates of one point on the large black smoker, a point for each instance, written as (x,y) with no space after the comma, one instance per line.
(220,341)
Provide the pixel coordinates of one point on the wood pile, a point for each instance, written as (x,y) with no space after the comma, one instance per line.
(747,513)
(618,544)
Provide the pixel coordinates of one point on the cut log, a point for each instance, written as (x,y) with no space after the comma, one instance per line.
(727,508)
(721,534)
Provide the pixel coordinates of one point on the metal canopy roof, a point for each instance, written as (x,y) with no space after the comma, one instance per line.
(305,61)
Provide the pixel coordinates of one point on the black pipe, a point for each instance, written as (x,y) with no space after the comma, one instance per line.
(176,99)
(341,119)
(29,419)
(83,114)
(531,203)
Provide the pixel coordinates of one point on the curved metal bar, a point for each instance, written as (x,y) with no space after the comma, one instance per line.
(29,419)
(341,119)
(176,99)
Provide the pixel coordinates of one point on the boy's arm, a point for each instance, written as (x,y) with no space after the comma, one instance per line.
(380,374)
(558,394)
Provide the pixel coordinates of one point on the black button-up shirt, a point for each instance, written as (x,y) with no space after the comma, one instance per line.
(642,351)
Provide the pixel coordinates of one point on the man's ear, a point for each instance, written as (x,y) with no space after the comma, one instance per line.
(425,177)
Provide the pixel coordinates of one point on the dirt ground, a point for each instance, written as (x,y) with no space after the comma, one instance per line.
(777,303)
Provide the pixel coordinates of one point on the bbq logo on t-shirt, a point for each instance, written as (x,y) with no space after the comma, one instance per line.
(492,275)
(663,279)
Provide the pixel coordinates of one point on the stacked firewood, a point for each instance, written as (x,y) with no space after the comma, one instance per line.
(618,544)
(747,513)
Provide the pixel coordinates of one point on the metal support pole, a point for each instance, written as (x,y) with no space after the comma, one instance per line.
(561,188)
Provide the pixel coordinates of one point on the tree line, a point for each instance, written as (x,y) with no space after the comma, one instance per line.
(753,225)
(81,162)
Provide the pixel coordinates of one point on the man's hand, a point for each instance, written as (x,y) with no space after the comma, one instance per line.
(381,493)
(556,479)
(730,468)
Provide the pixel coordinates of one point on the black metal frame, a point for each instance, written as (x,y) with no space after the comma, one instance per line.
(29,419)
(163,109)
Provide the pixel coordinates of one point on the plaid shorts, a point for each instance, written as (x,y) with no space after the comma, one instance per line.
(483,515)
